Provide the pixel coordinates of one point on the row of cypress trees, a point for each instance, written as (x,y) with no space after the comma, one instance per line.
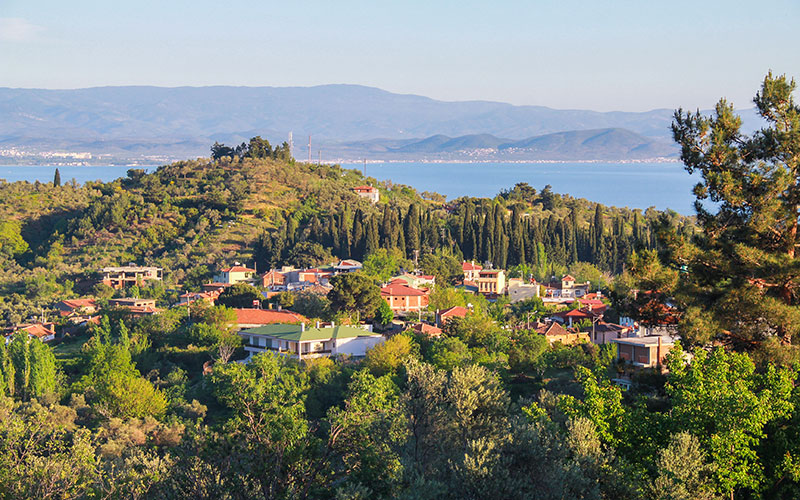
(478,229)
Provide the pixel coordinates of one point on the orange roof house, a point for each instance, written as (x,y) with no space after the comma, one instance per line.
(554,332)
(426,329)
(368,192)
(42,331)
(403,298)
(471,270)
(451,312)
(253,318)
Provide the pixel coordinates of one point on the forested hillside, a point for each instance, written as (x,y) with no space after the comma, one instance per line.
(256,205)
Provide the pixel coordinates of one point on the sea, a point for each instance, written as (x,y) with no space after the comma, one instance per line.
(662,185)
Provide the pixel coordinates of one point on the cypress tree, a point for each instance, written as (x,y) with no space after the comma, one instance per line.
(372,239)
(412,234)
(57,178)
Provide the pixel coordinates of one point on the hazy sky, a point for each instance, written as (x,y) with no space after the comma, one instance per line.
(591,54)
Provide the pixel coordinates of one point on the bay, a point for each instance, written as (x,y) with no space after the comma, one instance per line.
(45,173)
(641,185)
(635,185)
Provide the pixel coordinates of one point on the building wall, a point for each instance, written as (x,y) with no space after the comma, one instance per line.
(357,346)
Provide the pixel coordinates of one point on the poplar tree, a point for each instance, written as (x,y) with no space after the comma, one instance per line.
(742,274)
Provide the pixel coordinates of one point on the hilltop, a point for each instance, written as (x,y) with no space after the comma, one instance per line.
(575,145)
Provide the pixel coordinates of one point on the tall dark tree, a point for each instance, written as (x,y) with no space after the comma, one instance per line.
(742,278)
(57,178)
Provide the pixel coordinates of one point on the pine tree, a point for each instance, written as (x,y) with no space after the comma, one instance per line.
(741,282)
(57,178)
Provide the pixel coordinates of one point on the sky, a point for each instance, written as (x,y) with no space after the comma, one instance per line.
(580,54)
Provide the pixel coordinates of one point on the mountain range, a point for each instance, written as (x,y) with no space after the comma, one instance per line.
(341,119)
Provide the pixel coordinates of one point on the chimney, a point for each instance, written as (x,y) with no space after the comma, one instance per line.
(302,327)
(317,324)
(333,324)
(658,353)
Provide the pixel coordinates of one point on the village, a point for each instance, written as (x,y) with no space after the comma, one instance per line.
(574,314)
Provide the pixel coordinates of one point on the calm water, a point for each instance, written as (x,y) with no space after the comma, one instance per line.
(636,185)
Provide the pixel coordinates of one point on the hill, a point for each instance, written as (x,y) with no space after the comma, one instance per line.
(194,217)
(576,145)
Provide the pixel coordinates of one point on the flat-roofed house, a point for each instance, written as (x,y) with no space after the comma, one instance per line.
(491,282)
(123,276)
(300,342)
(518,290)
(136,307)
(644,352)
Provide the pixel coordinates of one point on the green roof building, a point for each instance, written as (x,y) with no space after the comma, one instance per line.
(300,342)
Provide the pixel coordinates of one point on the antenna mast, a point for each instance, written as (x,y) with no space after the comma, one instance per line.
(309,149)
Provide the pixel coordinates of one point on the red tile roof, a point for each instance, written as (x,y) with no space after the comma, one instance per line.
(78,303)
(399,288)
(427,329)
(364,189)
(454,312)
(469,266)
(267,317)
(37,330)
(567,278)
(238,269)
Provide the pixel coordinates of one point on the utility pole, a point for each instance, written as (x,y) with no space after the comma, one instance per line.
(291,145)
(365,167)
(319,153)
(309,149)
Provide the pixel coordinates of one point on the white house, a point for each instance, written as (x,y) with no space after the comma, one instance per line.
(300,342)
(235,274)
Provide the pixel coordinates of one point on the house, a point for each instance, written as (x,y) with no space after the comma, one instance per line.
(426,329)
(603,333)
(566,288)
(575,316)
(471,270)
(309,276)
(644,352)
(42,331)
(347,266)
(554,332)
(136,307)
(273,279)
(189,297)
(452,312)
(235,274)
(403,298)
(491,282)
(368,192)
(594,305)
(72,307)
(467,286)
(518,290)
(416,281)
(121,277)
(253,318)
(300,342)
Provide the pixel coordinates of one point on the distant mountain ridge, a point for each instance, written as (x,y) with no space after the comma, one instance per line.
(579,145)
(184,121)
